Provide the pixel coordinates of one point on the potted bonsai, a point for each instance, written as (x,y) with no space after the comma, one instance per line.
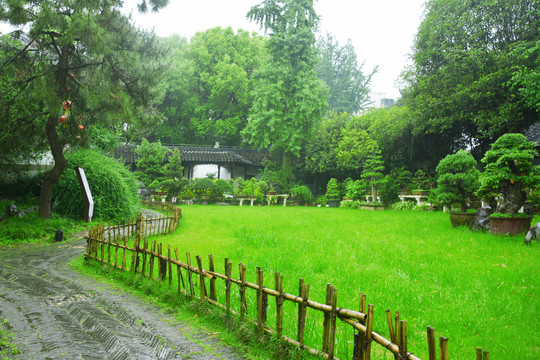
(301,193)
(373,176)
(332,193)
(419,183)
(510,173)
(457,182)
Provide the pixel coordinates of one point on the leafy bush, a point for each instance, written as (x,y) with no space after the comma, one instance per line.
(356,190)
(350,204)
(458,179)
(113,187)
(151,157)
(332,189)
(408,205)
(303,192)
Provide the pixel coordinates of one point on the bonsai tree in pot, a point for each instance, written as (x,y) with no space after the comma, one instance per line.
(303,193)
(373,171)
(457,182)
(509,171)
(332,192)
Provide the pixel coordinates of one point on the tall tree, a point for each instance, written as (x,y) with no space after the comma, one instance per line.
(89,64)
(289,97)
(209,93)
(339,68)
(460,86)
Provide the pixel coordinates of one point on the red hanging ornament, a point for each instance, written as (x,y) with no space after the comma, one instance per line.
(63,119)
(81,127)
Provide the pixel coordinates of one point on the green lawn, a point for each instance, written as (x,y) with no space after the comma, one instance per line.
(476,289)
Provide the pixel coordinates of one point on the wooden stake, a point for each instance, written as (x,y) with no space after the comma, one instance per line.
(369,332)
(486,355)
(116,246)
(124,256)
(228,271)
(190,279)
(170,264)
(360,337)
(432,343)
(478,353)
(145,250)
(333,316)
(303,290)
(213,294)
(259,300)
(243,302)
(179,271)
(403,338)
(326,321)
(279,304)
(443,345)
(152,252)
(201,279)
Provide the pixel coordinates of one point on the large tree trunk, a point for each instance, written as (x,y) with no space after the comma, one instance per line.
(51,177)
(57,148)
(513,197)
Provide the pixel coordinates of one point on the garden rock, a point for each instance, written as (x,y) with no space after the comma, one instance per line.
(534,233)
(481,219)
(12,210)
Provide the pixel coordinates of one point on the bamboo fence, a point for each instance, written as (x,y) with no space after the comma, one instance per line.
(109,245)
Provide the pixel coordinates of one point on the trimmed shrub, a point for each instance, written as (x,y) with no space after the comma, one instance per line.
(113,187)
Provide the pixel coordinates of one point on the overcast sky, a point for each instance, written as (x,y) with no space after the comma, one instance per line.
(382,31)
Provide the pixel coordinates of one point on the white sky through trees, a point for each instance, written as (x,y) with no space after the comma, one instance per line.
(382,31)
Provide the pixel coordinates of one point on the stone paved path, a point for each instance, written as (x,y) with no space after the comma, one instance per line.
(54,313)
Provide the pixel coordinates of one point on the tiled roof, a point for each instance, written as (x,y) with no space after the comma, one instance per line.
(203,155)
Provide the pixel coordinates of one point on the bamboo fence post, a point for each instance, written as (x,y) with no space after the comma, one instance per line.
(332,322)
(138,225)
(243,302)
(109,250)
(228,274)
(403,338)
(134,259)
(103,247)
(190,279)
(116,246)
(432,344)
(145,247)
(398,337)
(359,338)
(259,300)
(113,230)
(213,295)
(478,353)
(160,267)
(303,290)
(486,355)
(369,333)
(151,261)
(201,279)
(443,345)
(179,271)
(326,321)
(279,304)
(170,264)
(124,255)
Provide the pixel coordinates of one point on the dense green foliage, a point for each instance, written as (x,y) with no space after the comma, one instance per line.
(510,171)
(151,163)
(457,179)
(289,98)
(79,64)
(466,54)
(113,188)
(339,68)
(209,89)
(486,279)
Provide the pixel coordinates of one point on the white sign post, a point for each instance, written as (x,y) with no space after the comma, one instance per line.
(89,212)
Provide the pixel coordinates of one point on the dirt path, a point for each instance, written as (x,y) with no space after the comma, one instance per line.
(54,313)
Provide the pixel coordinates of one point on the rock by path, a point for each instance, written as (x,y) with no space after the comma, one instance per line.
(55,313)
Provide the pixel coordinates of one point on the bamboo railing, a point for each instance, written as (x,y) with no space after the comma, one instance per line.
(149,258)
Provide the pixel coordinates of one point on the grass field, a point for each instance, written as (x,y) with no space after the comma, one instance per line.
(476,289)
